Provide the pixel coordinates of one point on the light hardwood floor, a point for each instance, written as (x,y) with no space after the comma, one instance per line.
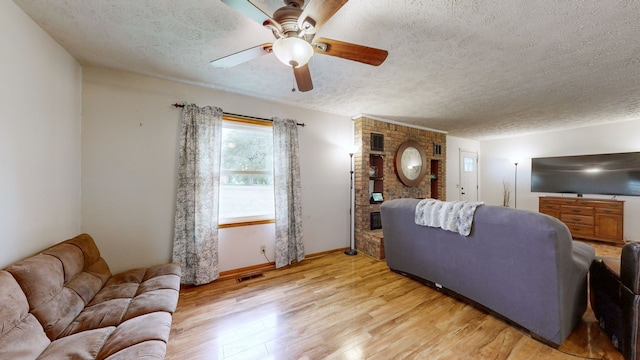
(353,307)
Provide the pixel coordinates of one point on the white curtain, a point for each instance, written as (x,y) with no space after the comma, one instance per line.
(195,242)
(289,245)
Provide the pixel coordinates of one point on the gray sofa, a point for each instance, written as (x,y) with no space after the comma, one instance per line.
(520,265)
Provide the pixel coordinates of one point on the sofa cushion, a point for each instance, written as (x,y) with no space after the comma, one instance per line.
(157,300)
(160,282)
(115,291)
(127,295)
(21,335)
(152,289)
(149,327)
(160,270)
(150,349)
(133,276)
(14,304)
(58,313)
(70,257)
(93,263)
(81,346)
(41,277)
(108,313)
(88,246)
(25,341)
(86,285)
(99,269)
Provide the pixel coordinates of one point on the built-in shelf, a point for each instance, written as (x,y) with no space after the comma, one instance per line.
(376,173)
(435,170)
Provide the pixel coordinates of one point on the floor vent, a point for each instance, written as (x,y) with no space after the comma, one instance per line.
(249,277)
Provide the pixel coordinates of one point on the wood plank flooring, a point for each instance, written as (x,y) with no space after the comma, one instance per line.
(353,307)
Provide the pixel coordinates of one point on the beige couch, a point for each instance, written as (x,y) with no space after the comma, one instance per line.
(64,303)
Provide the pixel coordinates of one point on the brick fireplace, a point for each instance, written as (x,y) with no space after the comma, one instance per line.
(383,177)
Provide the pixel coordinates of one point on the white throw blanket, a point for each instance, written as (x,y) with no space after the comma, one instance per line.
(456,216)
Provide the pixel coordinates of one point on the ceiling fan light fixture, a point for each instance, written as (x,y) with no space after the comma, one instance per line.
(293,51)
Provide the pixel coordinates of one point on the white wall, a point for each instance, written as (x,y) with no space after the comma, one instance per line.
(498,157)
(454,146)
(39,138)
(129,163)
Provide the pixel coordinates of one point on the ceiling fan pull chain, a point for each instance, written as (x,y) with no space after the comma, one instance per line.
(293,83)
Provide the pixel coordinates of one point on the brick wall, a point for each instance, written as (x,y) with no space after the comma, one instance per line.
(392,188)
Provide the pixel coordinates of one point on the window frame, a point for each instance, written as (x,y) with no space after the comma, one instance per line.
(245,221)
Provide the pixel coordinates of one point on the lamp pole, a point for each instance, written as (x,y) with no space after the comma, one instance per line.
(352,250)
(515,188)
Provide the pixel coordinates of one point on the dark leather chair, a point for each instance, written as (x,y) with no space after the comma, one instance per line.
(615,300)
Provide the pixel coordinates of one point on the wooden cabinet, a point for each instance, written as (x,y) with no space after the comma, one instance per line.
(590,219)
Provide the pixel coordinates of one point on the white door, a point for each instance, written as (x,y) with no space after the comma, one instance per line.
(468,176)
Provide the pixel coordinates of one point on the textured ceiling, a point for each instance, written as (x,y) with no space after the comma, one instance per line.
(478,69)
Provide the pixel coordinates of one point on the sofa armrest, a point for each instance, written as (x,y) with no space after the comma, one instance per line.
(630,267)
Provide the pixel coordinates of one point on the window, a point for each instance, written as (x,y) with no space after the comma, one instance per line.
(469,164)
(246,172)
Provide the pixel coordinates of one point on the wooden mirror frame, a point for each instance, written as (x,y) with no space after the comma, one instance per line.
(398,163)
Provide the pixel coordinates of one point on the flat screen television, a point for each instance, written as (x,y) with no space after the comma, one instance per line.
(605,174)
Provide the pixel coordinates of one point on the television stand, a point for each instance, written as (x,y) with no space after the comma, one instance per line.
(588,219)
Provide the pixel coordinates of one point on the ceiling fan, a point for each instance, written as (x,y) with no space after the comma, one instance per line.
(294,27)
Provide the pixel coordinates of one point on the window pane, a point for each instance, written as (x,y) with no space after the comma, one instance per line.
(469,164)
(247,148)
(246,181)
(246,203)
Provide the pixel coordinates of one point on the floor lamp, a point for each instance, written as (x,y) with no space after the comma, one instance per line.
(352,250)
(515,188)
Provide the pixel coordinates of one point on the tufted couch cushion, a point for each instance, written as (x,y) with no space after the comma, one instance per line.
(65,303)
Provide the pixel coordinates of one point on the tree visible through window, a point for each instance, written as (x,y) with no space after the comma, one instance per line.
(246,174)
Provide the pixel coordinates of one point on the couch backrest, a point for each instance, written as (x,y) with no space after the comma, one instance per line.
(60,281)
(630,266)
(521,264)
(21,335)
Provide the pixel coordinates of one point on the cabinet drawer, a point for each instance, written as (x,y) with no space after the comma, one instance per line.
(578,230)
(558,201)
(576,210)
(609,210)
(554,213)
(588,203)
(577,219)
(609,204)
(546,206)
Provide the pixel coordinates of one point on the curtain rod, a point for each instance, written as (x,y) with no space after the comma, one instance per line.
(240,116)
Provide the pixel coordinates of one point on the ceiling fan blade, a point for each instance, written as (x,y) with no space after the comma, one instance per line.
(303,78)
(242,56)
(248,9)
(318,12)
(349,51)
